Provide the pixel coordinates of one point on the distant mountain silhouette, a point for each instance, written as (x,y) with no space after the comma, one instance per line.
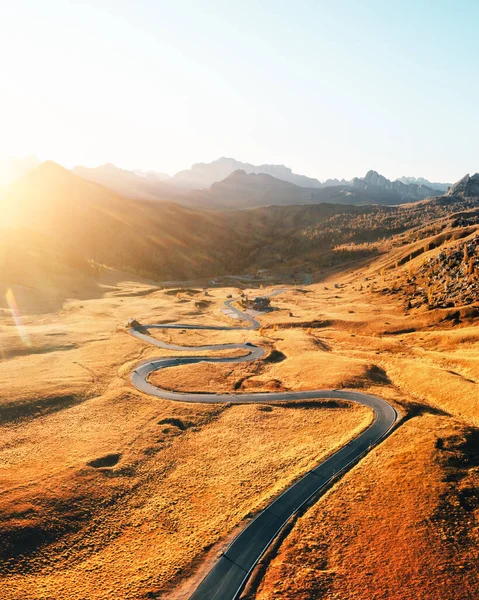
(396,192)
(139,185)
(246,190)
(221,184)
(334,182)
(152,174)
(203,175)
(373,188)
(443,187)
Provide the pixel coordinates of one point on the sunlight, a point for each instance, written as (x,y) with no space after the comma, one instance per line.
(239,300)
(12,304)
(8,211)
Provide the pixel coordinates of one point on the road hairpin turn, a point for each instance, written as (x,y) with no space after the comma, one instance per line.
(229,575)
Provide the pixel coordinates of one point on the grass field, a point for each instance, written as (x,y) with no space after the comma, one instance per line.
(110,493)
(401,525)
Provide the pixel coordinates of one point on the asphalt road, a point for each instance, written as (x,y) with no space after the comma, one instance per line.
(228,576)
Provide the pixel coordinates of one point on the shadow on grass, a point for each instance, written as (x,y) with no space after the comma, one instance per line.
(16,411)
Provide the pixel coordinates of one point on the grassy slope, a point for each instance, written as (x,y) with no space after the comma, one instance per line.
(400,525)
(185,475)
(59,213)
(403,523)
(166,478)
(88,221)
(104,529)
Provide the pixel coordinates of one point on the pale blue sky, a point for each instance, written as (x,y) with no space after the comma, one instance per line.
(330,88)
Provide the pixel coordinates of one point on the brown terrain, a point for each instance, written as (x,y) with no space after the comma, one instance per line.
(109,493)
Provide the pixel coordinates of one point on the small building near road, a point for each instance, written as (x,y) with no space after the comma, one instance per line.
(133,324)
(260,303)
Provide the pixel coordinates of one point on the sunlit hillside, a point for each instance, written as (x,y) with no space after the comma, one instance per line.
(59,227)
(109,488)
(98,475)
(239,300)
(93,223)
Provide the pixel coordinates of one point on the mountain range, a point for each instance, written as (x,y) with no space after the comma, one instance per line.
(421,181)
(203,175)
(228,183)
(246,190)
(87,224)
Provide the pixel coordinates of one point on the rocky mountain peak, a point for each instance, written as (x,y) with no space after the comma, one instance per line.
(466,187)
(374,178)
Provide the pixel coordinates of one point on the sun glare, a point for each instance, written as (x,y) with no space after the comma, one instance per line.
(13,306)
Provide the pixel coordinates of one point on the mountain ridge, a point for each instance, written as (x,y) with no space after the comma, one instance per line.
(373,188)
(245,190)
(423,181)
(203,183)
(131,184)
(91,224)
(466,187)
(203,175)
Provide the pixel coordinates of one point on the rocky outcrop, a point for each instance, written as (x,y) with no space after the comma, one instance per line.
(467,187)
(375,183)
(451,279)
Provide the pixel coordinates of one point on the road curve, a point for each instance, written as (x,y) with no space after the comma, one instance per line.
(227,578)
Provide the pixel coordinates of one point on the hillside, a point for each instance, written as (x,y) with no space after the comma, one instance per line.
(98,476)
(92,222)
(139,186)
(89,224)
(53,213)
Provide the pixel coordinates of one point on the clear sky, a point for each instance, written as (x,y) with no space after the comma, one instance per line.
(330,88)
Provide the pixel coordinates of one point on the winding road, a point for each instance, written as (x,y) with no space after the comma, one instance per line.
(230,573)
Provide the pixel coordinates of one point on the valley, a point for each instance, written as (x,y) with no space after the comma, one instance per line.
(114,488)
(118,491)
(239,301)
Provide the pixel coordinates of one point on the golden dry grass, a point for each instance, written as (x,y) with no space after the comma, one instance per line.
(297,369)
(184,478)
(156,520)
(401,525)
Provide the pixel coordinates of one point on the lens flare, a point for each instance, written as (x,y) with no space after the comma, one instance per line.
(12,304)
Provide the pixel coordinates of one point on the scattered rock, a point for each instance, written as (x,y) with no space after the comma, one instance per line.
(450,279)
